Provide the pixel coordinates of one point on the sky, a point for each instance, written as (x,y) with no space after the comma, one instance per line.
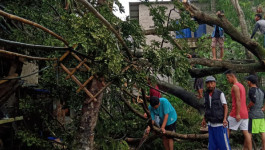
(125,4)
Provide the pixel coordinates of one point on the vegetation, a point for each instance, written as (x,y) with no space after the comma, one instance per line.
(107,59)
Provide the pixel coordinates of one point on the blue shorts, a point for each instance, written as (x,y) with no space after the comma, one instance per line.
(218,139)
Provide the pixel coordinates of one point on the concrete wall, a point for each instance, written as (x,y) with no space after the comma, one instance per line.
(29,68)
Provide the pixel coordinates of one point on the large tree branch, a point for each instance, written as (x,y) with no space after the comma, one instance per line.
(243,67)
(186,96)
(181,136)
(236,35)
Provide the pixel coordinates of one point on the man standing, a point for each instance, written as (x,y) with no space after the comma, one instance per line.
(260,25)
(168,117)
(256,108)
(215,115)
(218,37)
(238,117)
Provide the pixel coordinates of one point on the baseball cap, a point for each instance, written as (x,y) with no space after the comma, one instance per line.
(252,78)
(210,78)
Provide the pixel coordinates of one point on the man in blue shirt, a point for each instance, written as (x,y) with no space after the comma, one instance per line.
(161,107)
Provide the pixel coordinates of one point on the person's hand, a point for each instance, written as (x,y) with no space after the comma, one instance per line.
(147,130)
(225,123)
(163,130)
(189,56)
(203,123)
(238,118)
(145,115)
(263,109)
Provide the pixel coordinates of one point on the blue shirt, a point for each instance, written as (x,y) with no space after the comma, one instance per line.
(164,108)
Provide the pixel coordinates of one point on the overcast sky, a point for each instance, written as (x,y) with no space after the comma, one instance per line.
(125,4)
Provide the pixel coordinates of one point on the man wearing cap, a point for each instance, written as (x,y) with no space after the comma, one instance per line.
(238,117)
(255,107)
(215,116)
(167,115)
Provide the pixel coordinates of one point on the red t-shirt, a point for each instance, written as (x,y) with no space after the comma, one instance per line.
(243,108)
(154,92)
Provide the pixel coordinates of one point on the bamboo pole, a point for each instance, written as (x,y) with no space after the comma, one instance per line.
(107,24)
(78,58)
(87,81)
(13,17)
(3,121)
(25,56)
(101,90)
(77,81)
(77,67)
(42,47)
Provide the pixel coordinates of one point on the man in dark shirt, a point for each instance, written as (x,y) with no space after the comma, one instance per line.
(255,109)
(260,25)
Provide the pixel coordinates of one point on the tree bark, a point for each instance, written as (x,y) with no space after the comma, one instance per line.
(186,96)
(89,117)
(243,67)
(243,24)
(236,35)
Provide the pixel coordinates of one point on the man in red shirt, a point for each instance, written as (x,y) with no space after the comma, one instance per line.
(238,117)
(153,92)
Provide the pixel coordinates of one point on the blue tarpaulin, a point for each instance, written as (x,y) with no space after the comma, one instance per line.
(200,31)
(184,33)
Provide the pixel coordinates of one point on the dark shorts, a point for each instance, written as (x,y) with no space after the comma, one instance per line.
(198,83)
(171,127)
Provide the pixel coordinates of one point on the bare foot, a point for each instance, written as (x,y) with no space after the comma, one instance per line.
(213,58)
(220,59)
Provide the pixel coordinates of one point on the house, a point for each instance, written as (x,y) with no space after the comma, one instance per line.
(141,12)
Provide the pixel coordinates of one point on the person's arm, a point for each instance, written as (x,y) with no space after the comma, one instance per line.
(151,113)
(164,123)
(203,124)
(225,123)
(224,103)
(250,105)
(255,30)
(235,88)
(252,97)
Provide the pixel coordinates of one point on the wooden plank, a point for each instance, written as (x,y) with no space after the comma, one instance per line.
(77,67)
(76,81)
(3,121)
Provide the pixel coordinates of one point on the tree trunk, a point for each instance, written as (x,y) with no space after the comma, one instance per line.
(89,117)
(243,24)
